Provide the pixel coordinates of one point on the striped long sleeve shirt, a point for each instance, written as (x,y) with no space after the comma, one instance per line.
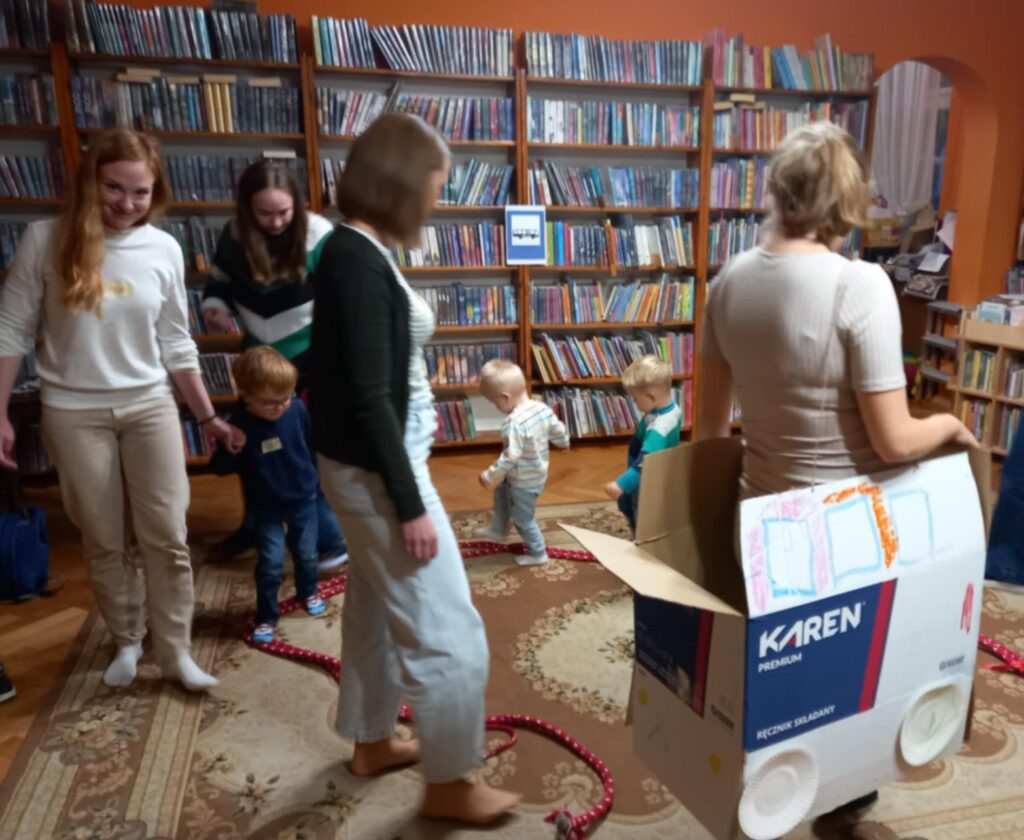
(527,432)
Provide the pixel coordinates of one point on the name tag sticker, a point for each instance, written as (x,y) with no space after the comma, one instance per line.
(272,445)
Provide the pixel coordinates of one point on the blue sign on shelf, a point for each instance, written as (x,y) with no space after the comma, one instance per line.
(525,239)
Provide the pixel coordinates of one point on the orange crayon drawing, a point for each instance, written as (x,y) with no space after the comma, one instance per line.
(886,531)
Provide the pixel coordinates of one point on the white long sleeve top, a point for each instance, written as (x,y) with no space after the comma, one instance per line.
(120,355)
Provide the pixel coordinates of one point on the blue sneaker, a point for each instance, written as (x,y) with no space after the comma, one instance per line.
(7,690)
(263,634)
(315,605)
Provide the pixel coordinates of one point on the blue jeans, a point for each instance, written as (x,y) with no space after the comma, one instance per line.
(519,505)
(629,504)
(329,537)
(271,539)
(1006,539)
(409,628)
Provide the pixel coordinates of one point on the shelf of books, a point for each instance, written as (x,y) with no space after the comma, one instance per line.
(650,158)
(33,180)
(989,389)
(760,94)
(462,81)
(613,150)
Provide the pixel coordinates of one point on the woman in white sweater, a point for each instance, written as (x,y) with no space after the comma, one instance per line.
(108,288)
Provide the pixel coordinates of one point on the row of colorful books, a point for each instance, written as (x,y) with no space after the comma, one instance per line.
(603,356)
(590,412)
(196,321)
(758,126)
(613,302)
(667,241)
(740,183)
(348,113)
(216,370)
(460,364)
(480,244)
(974,415)
(459,305)
(215,177)
(826,67)
(1009,426)
(28,99)
(593,58)
(193,440)
(33,176)
(729,237)
(455,420)
(220,103)
(979,370)
(24,25)
(1013,378)
(197,237)
(180,32)
(477,183)
(612,186)
(10,235)
(604,122)
(462,50)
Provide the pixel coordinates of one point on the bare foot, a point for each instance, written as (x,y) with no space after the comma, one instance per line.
(466,802)
(381,756)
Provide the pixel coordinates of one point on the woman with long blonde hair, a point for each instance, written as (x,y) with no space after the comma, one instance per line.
(108,288)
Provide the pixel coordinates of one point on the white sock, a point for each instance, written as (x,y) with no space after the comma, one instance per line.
(121,671)
(191,675)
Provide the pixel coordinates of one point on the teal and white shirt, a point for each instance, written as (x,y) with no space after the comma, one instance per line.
(657,430)
(527,432)
(279,313)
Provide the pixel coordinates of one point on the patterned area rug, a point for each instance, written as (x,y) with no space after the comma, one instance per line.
(258,758)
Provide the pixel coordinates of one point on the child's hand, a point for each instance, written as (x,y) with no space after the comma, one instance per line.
(485,482)
(613,490)
(237,440)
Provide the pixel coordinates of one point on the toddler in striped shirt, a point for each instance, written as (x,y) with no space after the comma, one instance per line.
(520,473)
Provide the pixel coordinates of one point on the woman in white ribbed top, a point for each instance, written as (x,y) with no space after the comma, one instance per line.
(808,341)
(108,288)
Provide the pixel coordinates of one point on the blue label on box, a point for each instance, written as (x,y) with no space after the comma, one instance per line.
(815,664)
(673,643)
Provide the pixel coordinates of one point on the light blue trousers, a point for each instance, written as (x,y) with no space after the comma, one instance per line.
(518,505)
(409,629)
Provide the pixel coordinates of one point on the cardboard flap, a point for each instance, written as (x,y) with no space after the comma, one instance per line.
(687,515)
(645,574)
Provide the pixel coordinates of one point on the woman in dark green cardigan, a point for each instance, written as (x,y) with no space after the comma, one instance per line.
(409,627)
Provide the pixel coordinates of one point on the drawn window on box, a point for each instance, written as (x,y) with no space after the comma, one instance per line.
(853,542)
(789,555)
(915,528)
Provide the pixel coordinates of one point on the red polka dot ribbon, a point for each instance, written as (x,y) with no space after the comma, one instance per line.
(567,826)
(1011,660)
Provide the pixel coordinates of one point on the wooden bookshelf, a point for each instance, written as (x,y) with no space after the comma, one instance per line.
(557,209)
(310,144)
(475,329)
(613,148)
(544,81)
(179,61)
(1002,344)
(611,325)
(388,73)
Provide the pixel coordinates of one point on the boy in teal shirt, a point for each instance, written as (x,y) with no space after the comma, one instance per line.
(648,381)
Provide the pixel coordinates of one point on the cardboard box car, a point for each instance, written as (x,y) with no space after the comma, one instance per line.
(838,653)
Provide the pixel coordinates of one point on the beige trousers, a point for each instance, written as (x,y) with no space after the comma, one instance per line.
(122,476)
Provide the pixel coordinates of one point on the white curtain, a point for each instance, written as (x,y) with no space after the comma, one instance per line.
(903,155)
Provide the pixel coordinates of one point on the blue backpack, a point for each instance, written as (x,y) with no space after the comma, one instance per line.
(24,555)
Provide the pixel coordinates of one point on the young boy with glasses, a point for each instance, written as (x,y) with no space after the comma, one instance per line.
(279,479)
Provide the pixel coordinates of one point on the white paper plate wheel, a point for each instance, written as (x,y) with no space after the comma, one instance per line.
(779,795)
(931,723)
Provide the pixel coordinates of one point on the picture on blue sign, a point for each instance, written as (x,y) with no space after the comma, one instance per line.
(525,242)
